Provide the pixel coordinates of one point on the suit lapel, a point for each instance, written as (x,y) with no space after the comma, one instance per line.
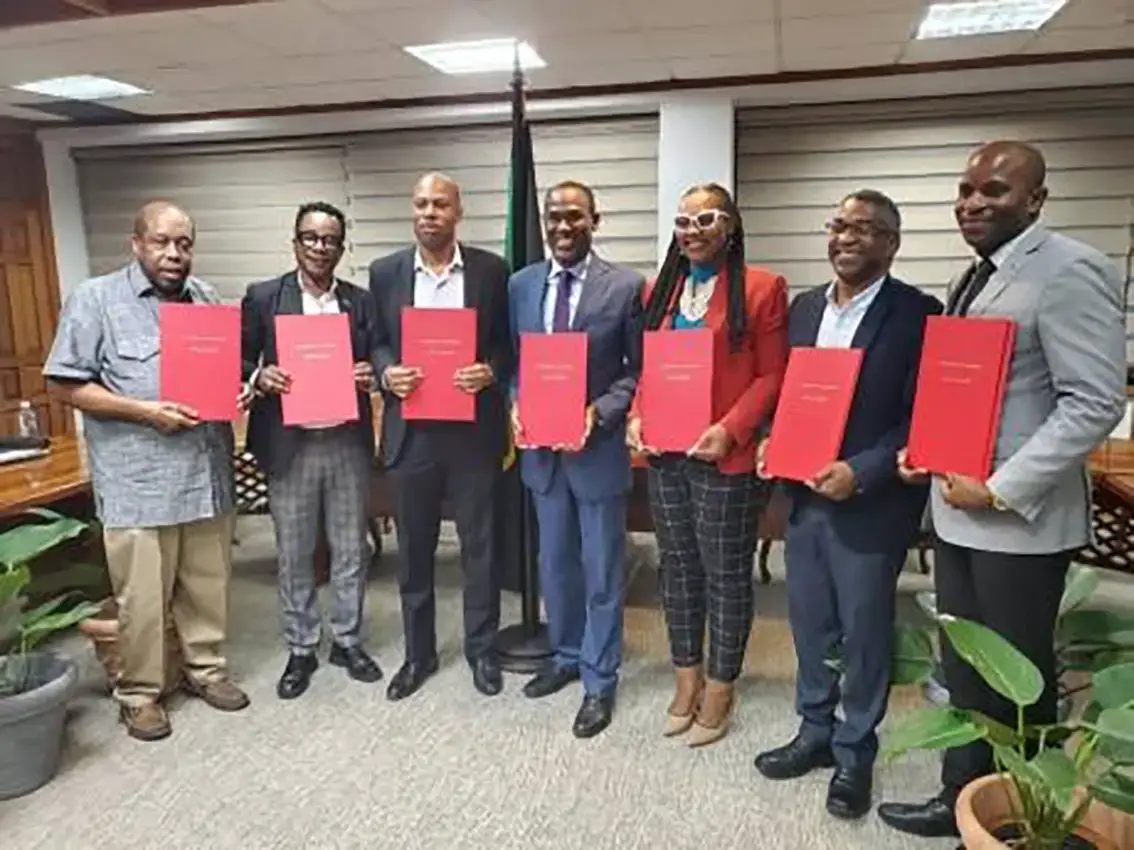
(874,319)
(1007,273)
(813,316)
(592,286)
(472,279)
(535,296)
(291,298)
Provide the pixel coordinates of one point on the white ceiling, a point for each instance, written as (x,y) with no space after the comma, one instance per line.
(284,53)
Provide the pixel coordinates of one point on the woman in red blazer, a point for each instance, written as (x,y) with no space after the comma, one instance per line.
(706,503)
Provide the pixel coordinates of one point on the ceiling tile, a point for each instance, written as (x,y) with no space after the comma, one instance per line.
(530,18)
(742,65)
(606,73)
(846,31)
(792,9)
(705,42)
(1071,40)
(1092,14)
(824,59)
(407,26)
(724,15)
(972,47)
(293,27)
(565,52)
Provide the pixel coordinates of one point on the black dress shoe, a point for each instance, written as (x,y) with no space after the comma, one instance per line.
(594,715)
(934,819)
(409,678)
(795,759)
(358,664)
(550,681)
(296,676)
(848,795)
(486,675)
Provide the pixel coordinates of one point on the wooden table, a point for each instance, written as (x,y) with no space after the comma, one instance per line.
(1112,472)
(61,476)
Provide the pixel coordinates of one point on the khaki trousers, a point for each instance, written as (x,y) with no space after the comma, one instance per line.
(178,570)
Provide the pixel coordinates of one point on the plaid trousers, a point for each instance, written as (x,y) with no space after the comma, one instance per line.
(329,476)
(706,527)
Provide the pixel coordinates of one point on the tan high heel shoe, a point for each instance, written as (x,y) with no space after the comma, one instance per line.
(682,707)
(713,717)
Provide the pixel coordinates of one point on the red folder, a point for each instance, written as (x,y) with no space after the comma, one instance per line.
(960,390)
(811,416)
(675,390)
(316,351)
(439,342)
(200,358)
(553,388)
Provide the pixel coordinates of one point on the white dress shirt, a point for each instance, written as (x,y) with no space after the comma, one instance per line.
(444,289)
(840,323)
(555,280)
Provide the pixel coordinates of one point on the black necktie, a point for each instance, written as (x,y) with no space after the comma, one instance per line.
(971,287)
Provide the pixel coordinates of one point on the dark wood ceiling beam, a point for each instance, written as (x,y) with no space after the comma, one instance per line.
(95,7)
(20,13)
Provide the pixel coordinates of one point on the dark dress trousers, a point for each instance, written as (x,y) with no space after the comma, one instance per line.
(457,462)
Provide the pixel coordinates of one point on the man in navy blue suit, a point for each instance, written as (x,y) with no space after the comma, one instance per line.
(850,528)
(580,491)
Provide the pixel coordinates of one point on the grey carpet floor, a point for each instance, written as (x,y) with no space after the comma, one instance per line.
(342,768)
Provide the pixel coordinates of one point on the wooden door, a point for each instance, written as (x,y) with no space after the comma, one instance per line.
(29,307)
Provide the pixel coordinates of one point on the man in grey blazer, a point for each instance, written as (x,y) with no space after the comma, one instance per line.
(1004,545)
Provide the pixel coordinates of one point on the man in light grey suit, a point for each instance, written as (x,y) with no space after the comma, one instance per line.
(1004,545)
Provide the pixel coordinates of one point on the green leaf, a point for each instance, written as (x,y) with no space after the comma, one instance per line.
(995,732)
(931,729)
(25,543)
(913,661)
(1006,670)
(1057,771)
(1081,583)
(1116,790)
(927,602)
(1113,687)
(1115,728)
(1095,628)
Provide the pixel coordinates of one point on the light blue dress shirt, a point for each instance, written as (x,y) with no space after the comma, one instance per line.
(554,280)
(840,323)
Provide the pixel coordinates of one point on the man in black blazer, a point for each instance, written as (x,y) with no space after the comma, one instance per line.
(850,528)
(434,461)
(312,470)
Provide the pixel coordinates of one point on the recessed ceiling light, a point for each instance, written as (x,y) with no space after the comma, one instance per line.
(478,57)
(81,87)
(982,17)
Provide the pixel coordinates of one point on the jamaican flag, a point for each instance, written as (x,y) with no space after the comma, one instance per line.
(523,239)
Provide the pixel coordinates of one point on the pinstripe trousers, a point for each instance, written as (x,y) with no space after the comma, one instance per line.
(329,476)
(706,524)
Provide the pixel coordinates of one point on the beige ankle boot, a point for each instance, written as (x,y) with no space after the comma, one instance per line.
(689,682)
(713,715)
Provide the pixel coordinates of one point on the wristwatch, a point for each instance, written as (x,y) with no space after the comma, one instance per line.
(995,502)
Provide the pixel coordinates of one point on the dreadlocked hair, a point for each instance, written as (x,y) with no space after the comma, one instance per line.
(666,295)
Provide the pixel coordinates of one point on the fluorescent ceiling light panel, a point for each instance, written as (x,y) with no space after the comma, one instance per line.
(82,87)
(984,17)
(478,57)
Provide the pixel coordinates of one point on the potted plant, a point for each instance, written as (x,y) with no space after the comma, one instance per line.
(1085,640)
(34,685)
(1067,785)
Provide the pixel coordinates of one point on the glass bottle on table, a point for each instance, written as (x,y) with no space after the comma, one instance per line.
(28,421)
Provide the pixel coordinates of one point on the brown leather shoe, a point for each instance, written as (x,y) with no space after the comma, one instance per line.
(146,722)
(222,694)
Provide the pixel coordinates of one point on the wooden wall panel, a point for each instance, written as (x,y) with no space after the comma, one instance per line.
(29,287)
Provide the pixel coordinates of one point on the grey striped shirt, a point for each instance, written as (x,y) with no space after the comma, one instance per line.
(142,478)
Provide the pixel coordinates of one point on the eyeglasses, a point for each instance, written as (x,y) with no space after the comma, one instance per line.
(704,220)
(861,229)
(313,240)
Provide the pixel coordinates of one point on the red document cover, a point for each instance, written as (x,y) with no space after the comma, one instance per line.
(316,351)
(960,389)
(811,417)
(439,342)
(553,388)
(200,358)
(675,391)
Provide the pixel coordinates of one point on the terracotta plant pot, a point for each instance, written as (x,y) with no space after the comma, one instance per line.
(985,805)
(102,629)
